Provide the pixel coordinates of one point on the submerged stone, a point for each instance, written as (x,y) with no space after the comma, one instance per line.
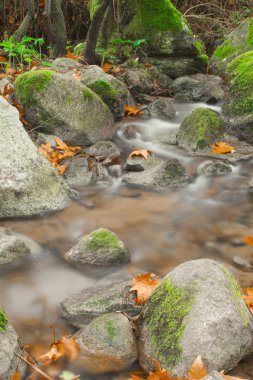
(107,344)
(198,309)
(214,168)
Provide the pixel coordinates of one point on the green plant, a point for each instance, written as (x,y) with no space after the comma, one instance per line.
(23,52)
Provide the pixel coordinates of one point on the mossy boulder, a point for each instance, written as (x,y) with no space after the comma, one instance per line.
(99,248)
(237,110)
(198,309)
(81,308)
(112,91)
(237,42)
(59,104)
(200,129)
(9,347)
(107,344)
(161,25)
(29,184)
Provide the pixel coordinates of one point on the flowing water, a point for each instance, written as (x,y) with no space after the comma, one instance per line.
(206,219)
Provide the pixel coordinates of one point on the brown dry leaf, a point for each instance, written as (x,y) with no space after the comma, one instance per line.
(107,67)
(143,152)
(77,75)
(132,111)
(227,377)
(71,55)
(21,113)
(7,92)
(116,70)
(16,376)
(144,285)
(197,370)
(2,58)
(248,298)
(248,240)
(221,147)
(65,347)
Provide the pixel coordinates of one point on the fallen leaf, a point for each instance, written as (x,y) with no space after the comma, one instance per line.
(107,67)
(221,147)
(143,152)
(116,70)
(65,347)
(16,376)
(77,75)
(197,370)
(2,58)
(248,298)
(71,55)
(132,111)
(248,240)
(144,285)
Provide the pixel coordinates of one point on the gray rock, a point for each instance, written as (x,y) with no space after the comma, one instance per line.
(198,309)
(65,64)
(77,173)
(125,274)
(213,168)
(115,171)
(9,346)
(81,308)
(175,67)
(139,163)
(200,129)
(35,249)
(112,91)
(214,375)
(237,42)
(107,344)
(29,184)
(138,81)
(46,139)
(162,108)
(170,137)
(199,87)
(161,79)
(103,148)
(13,251)
(237,109)
(164,175)
(5,82)
(62,105)
(100,248)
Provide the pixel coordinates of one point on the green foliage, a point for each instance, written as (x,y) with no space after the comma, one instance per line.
(23,52)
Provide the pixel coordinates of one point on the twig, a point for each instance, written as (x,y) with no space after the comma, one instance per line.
(37,369)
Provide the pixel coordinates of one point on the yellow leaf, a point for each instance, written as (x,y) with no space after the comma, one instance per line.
(143,152)
(221,147)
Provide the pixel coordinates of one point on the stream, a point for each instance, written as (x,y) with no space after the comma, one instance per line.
(206,219)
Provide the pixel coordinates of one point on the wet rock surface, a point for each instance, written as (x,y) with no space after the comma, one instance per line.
(213,168)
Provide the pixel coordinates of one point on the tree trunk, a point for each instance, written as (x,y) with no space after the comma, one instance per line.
(28,20)
(59,42)
(92,37)
(106,27)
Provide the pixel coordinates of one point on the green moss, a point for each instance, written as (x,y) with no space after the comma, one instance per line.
(201,128)
(3,320)
(240,74)
(226,50)
(165,314)
(93,5)
(249,37)
(27,85)
(236,295)
(103,239)
(87,93)
(104,90)
(111,328)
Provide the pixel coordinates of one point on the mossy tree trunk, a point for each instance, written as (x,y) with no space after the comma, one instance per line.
(27,21)
(92,37)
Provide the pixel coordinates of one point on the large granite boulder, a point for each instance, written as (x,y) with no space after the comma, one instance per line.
(29,184)
(62,105)
(198,309)
(239,41)
(237,110)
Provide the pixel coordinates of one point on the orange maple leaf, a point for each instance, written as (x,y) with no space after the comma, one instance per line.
(248,240)
(133,111)
(143,152)
(71,55)
(107,67)
(65,347)
(197,370)
(248,298)
(16,376)
(221,147)
(144,285)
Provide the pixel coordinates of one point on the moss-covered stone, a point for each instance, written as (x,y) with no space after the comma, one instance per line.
(106,92)
(165,314)
(237,42)
(28,84)
(200,129)
(3,320)
(103,239)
